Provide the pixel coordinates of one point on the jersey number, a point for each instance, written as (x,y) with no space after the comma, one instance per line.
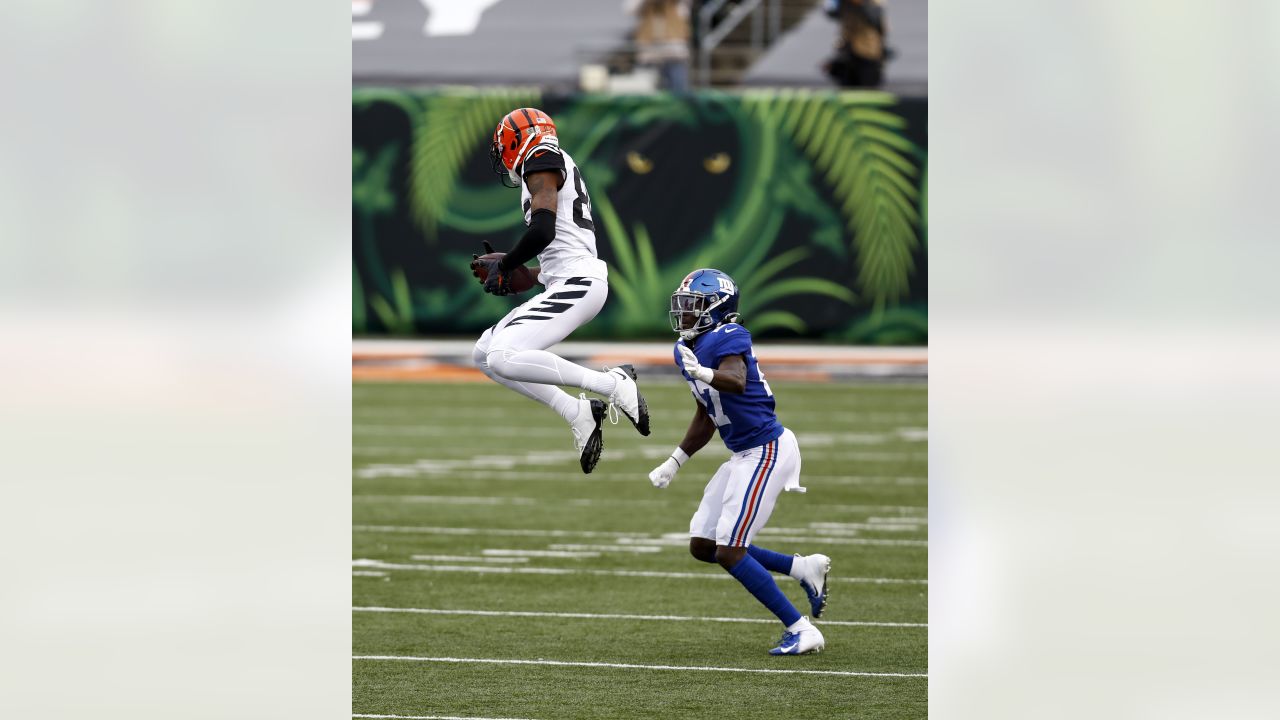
(760,374)
(711,401)
(580,218)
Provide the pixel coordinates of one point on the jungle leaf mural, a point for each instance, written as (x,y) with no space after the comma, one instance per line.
(812,201)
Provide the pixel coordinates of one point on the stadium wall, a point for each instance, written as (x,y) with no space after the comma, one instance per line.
(815,202)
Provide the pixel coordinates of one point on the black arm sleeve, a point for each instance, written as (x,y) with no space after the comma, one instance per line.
(542,230)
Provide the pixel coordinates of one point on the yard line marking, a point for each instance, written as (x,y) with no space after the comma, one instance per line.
(434,530)
(617,616)
(640,538)
(506,570)
(540,553)
(449,474)
(429,717)
(446,499)
(502,500)
(469,558)
(610,548)
(634,666)
(368,573)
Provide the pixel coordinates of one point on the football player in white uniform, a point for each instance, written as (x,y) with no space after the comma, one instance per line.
(526,153)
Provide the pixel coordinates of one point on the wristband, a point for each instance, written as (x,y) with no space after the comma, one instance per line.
(680,457)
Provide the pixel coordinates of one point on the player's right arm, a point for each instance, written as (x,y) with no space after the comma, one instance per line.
(701,428)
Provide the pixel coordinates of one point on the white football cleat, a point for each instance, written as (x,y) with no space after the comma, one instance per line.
(627,398)
(806,639)
(587,436)
(811,571)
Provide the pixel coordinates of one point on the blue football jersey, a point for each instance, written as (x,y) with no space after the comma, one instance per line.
(744,420)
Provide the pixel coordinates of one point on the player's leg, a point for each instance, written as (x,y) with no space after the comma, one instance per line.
(583,415)
(810,570)
(758,476)
(518,349)
(702,527)
(564,404)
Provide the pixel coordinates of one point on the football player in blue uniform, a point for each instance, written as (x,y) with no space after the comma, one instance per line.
(715,356)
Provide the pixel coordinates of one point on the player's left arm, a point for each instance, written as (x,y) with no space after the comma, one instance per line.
(544,191)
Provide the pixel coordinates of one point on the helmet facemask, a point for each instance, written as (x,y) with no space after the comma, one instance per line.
(691,313)
(500,168)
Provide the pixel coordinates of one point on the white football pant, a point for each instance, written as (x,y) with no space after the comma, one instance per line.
(513,352)
(740,497)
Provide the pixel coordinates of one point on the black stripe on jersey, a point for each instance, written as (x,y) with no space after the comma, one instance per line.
(568,295)
(526,317)
(526,205)
(555,308)
(578,281)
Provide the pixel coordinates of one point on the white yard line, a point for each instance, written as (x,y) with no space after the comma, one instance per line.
(469,558)
(502,569)
(446,499)
(573,554)
(429,717)
(641,538)
(501,500)
(633,666)
(367,573)
(434,530)
(446,472)
(610,548)
(618,616)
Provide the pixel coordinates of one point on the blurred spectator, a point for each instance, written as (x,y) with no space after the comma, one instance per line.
(860,51)
(662,36)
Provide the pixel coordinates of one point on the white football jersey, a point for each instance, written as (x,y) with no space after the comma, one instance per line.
(573,252)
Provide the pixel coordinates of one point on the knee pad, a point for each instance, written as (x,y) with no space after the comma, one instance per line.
(479,356)
(496,359)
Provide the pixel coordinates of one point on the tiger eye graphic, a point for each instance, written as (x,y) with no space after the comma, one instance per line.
(638,163)
(717,163)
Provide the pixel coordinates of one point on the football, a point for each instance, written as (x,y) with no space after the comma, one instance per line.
(521,278)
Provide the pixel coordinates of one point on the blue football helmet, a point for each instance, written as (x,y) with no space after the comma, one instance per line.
(705,299)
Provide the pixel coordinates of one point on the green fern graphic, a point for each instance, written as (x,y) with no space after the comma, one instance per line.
(866,161)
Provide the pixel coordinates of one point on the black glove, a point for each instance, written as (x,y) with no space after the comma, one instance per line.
(476,264)
(498,281)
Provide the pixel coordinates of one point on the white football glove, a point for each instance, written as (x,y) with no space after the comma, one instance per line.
(694,368)
(662,475)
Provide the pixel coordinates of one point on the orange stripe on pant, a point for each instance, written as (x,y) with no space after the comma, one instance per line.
(770,455)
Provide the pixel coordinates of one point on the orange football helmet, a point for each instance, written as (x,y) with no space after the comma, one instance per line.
(518,133)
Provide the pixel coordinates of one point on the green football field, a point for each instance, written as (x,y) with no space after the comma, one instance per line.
(492,579)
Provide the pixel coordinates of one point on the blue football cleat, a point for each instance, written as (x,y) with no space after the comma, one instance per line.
(812,574)
(807,640)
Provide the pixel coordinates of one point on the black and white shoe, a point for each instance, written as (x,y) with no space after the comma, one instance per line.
(588,437)
(627,398)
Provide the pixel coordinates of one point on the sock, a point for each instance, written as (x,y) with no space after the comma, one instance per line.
(565,405)
(760,583)
(801,624)
(772,561)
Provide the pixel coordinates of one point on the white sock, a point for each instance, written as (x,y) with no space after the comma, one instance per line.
(565,405)
(801,624)
(796,560)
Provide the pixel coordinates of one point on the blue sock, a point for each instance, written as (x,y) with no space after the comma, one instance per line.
(760,583)
(772,561)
